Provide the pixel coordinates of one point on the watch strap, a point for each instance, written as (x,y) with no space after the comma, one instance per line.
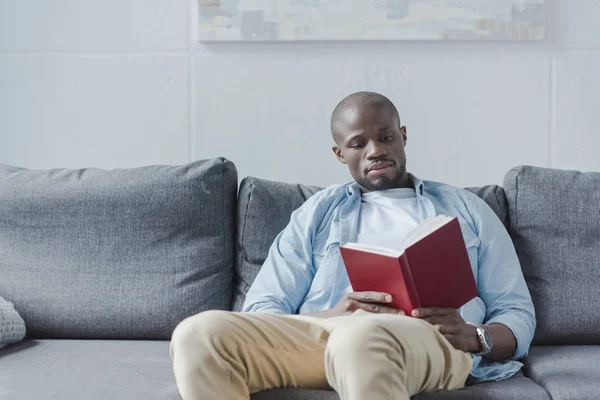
(481,337)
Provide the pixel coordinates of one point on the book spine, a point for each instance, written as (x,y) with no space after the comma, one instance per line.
(409,281)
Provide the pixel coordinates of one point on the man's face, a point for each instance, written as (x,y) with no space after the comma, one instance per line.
(370,142)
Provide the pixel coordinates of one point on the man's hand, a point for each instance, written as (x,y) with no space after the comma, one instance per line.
(450,324)
(373,302)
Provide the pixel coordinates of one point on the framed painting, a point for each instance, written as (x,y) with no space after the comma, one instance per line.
(307,20)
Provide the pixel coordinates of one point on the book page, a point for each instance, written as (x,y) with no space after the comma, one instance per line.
(421,231)
(373,249)
(425,228)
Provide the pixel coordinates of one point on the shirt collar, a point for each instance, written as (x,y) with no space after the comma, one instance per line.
(353,187)
(418,183)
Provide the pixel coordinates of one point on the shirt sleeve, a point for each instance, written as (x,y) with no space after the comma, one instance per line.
(287,274)
(501,283)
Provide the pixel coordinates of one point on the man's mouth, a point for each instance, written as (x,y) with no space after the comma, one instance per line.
(380,166)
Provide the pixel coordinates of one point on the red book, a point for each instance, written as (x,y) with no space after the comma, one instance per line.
(432,270)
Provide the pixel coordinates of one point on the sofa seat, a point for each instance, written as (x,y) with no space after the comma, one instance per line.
(296,394)
(566,372)
(140,369)
(87,369)
(518,387)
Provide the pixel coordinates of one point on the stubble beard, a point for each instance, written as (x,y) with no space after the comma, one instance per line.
(384,182)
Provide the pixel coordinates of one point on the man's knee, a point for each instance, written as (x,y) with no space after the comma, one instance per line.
(353,335)
(359,334)
(205,328)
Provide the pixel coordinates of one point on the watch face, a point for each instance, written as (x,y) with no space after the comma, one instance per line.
(487,338)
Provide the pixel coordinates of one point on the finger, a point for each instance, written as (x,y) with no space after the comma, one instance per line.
(431,311)
(353,305)
(451,338)
(350,305)
(390,310)
(445,329)
(380,309)
(370,297)
(443,320)
(435,320)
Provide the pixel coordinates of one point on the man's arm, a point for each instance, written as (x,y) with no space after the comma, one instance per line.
(286,275)
(464,337)
(510,315)
(503,340)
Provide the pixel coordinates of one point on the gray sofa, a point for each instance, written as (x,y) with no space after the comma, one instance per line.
(102,265)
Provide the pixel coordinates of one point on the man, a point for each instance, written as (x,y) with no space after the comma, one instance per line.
(303,325)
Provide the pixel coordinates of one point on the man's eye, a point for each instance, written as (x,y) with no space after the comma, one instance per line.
(358,145)
(387,138)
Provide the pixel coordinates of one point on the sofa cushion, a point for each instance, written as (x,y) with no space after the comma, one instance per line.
(12,326)
(495,197)
(555,225)
(128,369)
(128,253)
(87,369)
(295,394)
(566,372)
(516,388)
(264,209)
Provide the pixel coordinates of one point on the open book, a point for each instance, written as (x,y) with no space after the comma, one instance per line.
(430,269)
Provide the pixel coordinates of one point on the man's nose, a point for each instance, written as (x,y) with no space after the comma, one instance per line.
(375,150)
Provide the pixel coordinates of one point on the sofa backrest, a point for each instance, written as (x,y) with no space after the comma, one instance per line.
(264,209)
(123,254)
(554,220)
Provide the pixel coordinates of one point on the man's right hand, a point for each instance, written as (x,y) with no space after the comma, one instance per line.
(373,302)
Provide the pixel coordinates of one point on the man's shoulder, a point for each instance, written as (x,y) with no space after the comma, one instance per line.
(319,207)
(441,188)
(463,201)
(452,194)
(328,195)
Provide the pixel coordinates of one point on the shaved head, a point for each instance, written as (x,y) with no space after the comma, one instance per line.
(358,101)
(370,140)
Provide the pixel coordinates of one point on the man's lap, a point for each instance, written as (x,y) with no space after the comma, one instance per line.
(423,339)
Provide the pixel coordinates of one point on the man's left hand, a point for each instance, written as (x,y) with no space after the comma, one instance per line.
(450,324)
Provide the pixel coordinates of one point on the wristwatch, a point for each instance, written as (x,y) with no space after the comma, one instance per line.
(485,339)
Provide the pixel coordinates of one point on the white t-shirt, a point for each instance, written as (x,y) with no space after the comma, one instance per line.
(387,217)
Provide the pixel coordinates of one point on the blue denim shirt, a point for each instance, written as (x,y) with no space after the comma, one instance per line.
(304,272)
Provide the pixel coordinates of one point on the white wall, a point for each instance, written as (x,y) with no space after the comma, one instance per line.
(120,83)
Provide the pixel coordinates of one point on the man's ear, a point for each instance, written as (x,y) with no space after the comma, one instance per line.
(338,154)
(404,137)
